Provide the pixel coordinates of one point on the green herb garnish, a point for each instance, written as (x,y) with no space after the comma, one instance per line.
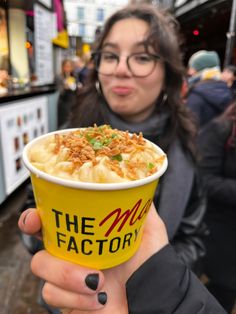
(150,165)
(97,145)
(117,157)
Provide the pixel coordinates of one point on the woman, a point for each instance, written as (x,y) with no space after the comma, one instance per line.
(217,143)
(67,85)
(136,85)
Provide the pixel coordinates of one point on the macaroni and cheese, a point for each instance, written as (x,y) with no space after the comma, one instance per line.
(97,154)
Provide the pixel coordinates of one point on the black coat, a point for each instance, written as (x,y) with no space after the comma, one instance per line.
(208,99)
(164,285)
(218,168)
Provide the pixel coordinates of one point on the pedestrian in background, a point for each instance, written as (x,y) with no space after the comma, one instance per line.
(83,74)
(67,85)
(229,76)
(217,142)
(208,95)
(78,65)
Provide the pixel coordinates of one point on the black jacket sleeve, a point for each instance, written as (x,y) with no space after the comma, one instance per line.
(164,285)
(219,184)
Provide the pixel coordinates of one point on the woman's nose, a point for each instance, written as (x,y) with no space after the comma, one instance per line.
(122,68)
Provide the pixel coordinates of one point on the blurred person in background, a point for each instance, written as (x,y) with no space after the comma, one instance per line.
(67,85)
(217,141)
(66,79)
(78,65)
(229,76)
(135,85)
(208,95)
(85,69)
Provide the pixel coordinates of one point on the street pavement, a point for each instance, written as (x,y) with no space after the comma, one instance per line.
(19,288)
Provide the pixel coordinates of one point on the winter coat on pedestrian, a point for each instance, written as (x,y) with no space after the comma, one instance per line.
(208,99)
(217,142)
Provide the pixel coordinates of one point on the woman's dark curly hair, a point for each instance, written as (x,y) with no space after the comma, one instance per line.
(163,37)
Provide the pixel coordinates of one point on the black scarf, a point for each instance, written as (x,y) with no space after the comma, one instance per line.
(152,127)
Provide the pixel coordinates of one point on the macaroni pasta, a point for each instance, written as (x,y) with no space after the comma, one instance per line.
(96,154)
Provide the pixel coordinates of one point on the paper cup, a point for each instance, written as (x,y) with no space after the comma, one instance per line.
(97,225)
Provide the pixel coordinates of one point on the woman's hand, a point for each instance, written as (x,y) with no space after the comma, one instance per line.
(79,289)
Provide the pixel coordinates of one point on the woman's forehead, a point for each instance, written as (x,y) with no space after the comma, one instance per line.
(130,31)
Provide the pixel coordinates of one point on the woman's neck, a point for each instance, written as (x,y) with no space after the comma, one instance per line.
(140,116)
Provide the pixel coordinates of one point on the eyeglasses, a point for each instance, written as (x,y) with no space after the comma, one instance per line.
(139,64)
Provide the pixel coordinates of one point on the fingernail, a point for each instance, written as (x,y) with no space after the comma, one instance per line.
(24,219)
(92,281)
(102,298)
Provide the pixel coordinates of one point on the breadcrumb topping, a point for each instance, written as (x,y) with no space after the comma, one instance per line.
(88,144)
(97,154)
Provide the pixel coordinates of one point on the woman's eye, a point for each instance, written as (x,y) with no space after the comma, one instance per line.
(108,56)
(142,58)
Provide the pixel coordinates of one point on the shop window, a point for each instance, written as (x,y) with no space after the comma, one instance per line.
(81,29)
(100,15)
(80,13)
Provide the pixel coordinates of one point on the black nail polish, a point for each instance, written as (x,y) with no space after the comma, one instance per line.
(92,281)
(102,298)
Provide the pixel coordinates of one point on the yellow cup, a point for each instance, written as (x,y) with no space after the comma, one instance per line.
(97,225)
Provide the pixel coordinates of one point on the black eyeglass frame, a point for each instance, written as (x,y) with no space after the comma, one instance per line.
(96,61)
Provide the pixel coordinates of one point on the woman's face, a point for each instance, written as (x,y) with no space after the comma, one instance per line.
(67,67)
(133,98)
(227,76)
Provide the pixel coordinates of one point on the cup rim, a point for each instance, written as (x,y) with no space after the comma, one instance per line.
(88,185)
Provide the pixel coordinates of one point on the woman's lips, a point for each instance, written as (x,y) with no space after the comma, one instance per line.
(122,90)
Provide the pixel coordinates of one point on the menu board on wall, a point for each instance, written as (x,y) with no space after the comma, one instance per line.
(43,25)
(20,123)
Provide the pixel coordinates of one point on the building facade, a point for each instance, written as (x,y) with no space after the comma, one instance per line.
(84,17)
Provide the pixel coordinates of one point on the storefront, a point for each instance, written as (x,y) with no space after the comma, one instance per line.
(206,25)
(32,36)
